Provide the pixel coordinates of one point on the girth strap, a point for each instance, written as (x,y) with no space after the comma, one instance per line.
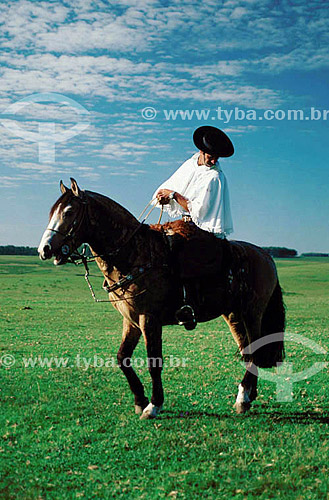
(127,280)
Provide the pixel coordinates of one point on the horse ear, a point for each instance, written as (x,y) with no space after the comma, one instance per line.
(75,188)
(63,188)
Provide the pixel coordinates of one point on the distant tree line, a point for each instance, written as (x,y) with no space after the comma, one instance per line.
(13,250)
(314,254)
(281,251)
(273,251)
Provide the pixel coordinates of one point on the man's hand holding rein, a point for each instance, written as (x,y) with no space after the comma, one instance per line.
(164,196)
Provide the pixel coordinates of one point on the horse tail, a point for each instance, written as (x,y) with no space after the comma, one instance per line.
(273,322)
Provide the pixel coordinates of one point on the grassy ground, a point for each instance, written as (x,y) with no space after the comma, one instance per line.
(70,432)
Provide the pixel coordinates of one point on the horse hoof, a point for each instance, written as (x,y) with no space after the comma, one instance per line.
(243,401)
(138,410)
(151,411)
(242,408)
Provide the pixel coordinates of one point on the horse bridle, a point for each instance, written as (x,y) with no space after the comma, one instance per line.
(70,235)
(83,259)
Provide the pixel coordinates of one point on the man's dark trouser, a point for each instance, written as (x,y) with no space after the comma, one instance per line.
(196,258)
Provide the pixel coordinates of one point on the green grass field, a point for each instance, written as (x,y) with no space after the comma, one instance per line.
(70,432)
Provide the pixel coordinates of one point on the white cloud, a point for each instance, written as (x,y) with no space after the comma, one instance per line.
(149,28)
(41,168)
(10,181)
(239,130)
(125,80)
(239,12)
(122,150)
(302,59)
(137,27)
(145,26)
(23,20)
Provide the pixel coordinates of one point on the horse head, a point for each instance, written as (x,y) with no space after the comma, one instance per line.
(64,233)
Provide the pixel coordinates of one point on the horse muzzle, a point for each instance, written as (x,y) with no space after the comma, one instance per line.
(63,256)
(60,260)
(45,252)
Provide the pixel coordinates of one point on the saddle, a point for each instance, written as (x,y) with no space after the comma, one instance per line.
(194,253)
(200,262)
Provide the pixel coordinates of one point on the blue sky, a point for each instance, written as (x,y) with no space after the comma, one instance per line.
(116,58)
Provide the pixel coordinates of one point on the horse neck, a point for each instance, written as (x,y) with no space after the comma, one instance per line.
(110,223)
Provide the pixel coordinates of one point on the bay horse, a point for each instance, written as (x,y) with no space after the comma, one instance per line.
(135,259)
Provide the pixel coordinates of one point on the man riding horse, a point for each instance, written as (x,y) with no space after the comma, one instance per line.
(198,192)
(133,258)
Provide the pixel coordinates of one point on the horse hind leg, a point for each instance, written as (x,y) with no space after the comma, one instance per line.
(247,390)
(152,331)
(248,386)
(130,337)
(272,320)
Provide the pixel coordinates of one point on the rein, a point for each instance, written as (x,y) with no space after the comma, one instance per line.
(150,211)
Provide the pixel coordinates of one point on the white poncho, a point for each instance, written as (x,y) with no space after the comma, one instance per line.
(207,191)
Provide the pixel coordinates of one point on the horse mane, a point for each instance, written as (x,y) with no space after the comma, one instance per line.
(119,214)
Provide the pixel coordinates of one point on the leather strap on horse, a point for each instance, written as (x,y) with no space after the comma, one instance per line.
(127,280)
(130,278)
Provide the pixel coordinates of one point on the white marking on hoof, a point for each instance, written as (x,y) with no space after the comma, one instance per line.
(241,408)
(151,411)
(138,410)
(243,395)
(242,403)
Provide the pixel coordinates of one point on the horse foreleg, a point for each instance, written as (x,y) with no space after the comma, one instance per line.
(130,337)
(152,332)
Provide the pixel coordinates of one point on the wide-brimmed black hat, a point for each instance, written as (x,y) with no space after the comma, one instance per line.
(213,141)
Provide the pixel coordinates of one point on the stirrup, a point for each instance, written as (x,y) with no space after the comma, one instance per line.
(185,316)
